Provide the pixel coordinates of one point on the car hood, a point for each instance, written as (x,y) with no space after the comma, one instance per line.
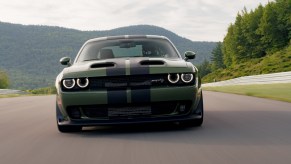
(127,66)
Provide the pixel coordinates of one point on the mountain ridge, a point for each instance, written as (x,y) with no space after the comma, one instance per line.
(30,53)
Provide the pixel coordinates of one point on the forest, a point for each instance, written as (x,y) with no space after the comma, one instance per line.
(257,42)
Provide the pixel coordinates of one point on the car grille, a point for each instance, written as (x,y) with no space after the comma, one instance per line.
(129,110)
(119,82)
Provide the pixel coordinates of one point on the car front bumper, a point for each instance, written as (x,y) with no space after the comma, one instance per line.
(191,94)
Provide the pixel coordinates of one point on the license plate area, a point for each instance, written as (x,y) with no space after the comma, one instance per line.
(129,111)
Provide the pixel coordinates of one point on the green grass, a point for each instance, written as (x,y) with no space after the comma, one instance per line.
(34,92)
(21,95)
(276,62)
(280,92)
(45,91)
(10,95)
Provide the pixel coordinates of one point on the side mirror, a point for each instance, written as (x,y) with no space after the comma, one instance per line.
(189,55)
(65,61)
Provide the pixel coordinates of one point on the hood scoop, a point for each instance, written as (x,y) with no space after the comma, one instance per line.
(102,65)
(152,62)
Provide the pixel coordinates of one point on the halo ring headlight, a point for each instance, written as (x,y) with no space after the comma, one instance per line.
(83,83)
(69,83)
(173,78)
(187,77)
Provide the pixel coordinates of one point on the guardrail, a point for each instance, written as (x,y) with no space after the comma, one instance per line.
(282,77)
(11,91)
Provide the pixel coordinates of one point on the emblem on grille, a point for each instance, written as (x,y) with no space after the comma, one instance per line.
(157,81)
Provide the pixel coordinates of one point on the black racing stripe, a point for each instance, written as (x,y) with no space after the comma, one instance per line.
(118,70)
(141,95)
(137,69)
(117,96)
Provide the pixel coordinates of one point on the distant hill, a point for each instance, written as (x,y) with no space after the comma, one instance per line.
(30,54)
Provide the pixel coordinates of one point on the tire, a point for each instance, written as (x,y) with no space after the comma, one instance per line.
(65,128)
(196,122)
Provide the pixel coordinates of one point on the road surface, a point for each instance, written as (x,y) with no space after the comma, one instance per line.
(237,129)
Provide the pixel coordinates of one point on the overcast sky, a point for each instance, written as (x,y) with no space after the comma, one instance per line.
(197,20)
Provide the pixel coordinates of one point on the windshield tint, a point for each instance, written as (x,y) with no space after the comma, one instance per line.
(127,48)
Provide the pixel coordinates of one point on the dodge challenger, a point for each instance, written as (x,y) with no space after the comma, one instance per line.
(128,79)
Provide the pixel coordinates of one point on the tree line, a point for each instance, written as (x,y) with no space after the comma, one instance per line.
(254,34)
(4,80)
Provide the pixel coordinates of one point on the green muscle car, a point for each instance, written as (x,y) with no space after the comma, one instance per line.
(128,79)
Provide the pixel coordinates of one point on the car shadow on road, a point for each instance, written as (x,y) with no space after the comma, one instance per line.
(240,127)
(137,128)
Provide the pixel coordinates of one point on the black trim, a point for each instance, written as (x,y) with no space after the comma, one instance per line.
(130,121)
(102,65)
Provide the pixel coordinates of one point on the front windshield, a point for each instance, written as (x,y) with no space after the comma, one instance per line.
(124,48)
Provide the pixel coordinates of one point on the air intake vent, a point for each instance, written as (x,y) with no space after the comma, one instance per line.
(102,65)
(152,62)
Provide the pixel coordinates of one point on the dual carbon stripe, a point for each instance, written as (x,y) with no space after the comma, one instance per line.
(117,96)
(140,95)
(118,70)
(122,96)
(137,69)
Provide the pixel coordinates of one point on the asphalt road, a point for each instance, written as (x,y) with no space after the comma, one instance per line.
(237,129)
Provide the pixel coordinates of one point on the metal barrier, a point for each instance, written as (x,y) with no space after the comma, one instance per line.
(11,91)
(282,77)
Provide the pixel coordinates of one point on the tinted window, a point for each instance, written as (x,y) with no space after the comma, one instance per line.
(127,48)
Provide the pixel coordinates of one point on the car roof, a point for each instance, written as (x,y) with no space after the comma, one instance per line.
(128,37)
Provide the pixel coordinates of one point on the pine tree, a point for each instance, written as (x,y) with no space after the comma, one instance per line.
(204,68)
(229,47)
(240,41)
(283,9)
(217,57)
(273,27)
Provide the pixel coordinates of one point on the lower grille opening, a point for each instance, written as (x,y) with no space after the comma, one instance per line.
(94,112)
(74,112)
(121,111)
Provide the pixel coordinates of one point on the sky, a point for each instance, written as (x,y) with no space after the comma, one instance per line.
(197,20)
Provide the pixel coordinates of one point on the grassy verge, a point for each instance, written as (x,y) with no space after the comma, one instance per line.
(33,92)
(280,92)
(10,95)
(43,91)
(21,95)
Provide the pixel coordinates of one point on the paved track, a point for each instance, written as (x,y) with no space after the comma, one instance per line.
(237,129)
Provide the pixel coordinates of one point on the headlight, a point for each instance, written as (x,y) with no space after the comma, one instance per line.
(173,78)
(187,77)
(83,82)
(69,83)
